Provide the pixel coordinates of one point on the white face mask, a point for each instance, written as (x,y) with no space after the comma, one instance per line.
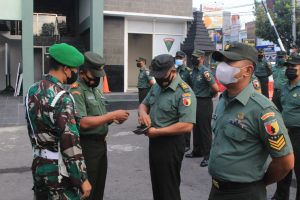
(225,73)
(179,62)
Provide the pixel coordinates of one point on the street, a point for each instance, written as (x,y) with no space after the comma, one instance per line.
(128,175)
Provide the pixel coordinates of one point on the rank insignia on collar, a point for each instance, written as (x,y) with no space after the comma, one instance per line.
(272,127)
(186,101)
(241,116)
(277,143)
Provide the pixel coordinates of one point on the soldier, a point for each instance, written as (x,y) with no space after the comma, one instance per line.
(94,121)
(279,78)
(262,72)
(290,101)
(248,128)
(169,112)
(205,87)
(58,167)
(145,81)
(185,74)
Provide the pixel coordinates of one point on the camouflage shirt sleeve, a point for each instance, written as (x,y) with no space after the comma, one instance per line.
(70,142)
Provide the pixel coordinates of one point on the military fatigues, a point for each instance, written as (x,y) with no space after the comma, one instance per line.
(89,102)
(143,83)
(279,81)
(262,72)
(201,80)
(248,128)
(290,101)
(54,127)
(168,106)
(185,74)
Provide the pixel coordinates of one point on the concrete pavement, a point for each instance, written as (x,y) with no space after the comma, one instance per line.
(128,170)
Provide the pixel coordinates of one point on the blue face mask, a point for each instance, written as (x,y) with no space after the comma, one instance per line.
(179,62)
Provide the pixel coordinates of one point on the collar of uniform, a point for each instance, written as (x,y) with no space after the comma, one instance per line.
(174,83)
(243,96)
(199,67)
(143,68)
(54,80)
(83,84)
(293,86)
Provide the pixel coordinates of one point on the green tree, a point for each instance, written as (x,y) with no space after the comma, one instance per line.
(282,17)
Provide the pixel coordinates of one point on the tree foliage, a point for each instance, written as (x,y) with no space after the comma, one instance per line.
(282,17)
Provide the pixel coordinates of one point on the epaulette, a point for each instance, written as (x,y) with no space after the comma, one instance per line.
(184,86)
(189,69)
(74,85)
(261,100)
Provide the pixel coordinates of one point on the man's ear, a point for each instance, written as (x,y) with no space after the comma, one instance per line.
(249,71)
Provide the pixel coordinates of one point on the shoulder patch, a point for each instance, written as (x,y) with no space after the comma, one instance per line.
(277,143)
(74,85)
(186,101)
(147,72)
(207,76)
(267,115)
(184,85)
(186,94)
(272,127)
(76,92)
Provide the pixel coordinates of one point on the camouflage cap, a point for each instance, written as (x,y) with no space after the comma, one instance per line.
(66,55)
(236,51)
(180,54)
(198,53)
(141,59)
(293,60)
(160,65)
(94,63)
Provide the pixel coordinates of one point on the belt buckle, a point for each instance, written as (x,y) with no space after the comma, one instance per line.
(216,184)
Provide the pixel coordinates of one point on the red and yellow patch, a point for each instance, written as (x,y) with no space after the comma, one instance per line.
(277,144)
(187,101)
(207,75)
(272,127)
(267,115)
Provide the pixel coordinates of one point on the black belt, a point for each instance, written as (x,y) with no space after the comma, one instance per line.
(93,137)
(224,185)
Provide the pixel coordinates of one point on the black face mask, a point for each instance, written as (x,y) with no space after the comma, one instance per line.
(291,73)
(95,79)
(195,61)
(164,82)
(139,65)
(260,57)
(72,79)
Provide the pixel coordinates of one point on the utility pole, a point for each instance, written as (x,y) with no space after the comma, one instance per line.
(294,21)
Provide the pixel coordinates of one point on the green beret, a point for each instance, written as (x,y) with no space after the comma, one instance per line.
(66,55)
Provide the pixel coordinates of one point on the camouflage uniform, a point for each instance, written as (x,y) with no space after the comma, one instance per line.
(57,134)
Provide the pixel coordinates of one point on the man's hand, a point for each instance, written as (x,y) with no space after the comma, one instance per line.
(86,189)
(152,133)
(144,119)
(119,115)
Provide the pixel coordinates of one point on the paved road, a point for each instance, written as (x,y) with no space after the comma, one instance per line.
(128,171)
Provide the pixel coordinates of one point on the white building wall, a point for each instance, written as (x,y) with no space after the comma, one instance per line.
(11,10)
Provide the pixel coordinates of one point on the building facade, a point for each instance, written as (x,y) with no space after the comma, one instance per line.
(120,30)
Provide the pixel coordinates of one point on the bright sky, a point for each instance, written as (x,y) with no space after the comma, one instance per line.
(244,8)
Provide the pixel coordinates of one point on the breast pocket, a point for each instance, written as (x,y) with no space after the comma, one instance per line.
(235,133)
(93,107)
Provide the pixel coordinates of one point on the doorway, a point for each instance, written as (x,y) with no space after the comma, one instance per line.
(139,45)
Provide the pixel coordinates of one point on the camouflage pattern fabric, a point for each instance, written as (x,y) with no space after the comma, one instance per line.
(63,131)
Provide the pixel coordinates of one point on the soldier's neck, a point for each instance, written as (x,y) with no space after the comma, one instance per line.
(57,75)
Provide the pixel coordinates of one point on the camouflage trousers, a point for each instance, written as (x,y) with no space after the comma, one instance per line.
(61,194)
